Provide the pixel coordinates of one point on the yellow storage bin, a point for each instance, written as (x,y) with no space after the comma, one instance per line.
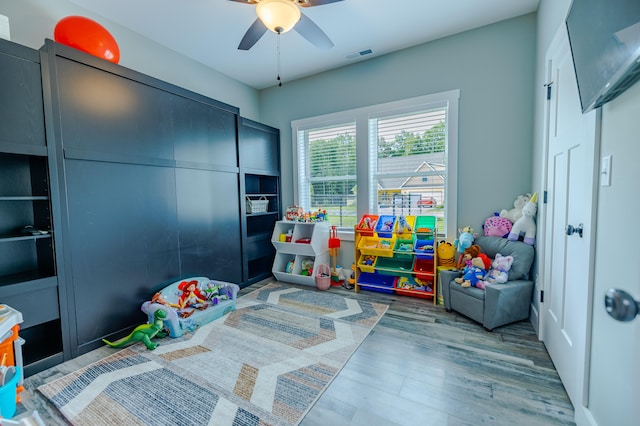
(377,246)
(367,262)
(406,227)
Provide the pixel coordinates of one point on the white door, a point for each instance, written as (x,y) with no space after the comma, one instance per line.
(568,266)
(614,379)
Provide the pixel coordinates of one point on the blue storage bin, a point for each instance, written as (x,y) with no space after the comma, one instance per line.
(424,249)
(377,282)
(385,226)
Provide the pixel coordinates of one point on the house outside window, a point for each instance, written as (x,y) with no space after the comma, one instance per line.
(395,158)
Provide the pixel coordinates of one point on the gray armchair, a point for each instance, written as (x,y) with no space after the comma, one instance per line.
(498,304)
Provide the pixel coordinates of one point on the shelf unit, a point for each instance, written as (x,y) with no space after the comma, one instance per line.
(316,249)
(260,251)
(386,261)
(259,147)
(28,272)
(28,280)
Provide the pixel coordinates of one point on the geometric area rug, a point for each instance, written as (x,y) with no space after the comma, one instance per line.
(266,363)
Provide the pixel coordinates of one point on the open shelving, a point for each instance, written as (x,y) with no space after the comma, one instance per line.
(309,241)
(398,260)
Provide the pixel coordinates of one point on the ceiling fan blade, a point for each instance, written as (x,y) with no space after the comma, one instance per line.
(253,34)
(311,3)
(309,30)
(245,1)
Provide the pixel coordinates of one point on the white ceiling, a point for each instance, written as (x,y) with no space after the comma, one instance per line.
(209,31)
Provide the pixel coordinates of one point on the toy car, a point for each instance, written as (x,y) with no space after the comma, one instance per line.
(427,202)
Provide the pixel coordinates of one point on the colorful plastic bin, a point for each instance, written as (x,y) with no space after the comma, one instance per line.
(425,227)
(408,286)
(367,224)
(424,269)
(9,395)
(424,249)
(367,262)
(377,282)
(386,226)
(377,246)
(403,248)
(394,266)
(405,227)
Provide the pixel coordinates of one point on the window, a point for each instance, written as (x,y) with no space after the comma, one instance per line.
(396,158)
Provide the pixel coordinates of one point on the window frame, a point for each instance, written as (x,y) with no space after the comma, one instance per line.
(364,199)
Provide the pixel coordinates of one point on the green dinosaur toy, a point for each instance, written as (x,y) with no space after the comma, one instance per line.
(144,333)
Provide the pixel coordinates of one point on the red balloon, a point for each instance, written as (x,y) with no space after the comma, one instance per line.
(87,35)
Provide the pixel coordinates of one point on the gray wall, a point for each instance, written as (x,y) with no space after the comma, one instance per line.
(32,21)
(494,69)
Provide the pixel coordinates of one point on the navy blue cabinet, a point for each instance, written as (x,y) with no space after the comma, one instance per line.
(134,183)
(29,276)
(259,146)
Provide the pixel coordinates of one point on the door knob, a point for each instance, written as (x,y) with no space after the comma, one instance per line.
(574,229)
(621,305)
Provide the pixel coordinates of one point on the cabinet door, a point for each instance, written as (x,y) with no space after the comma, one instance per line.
(209,224)
(204,134)
(105,113)
(21,96)
(259,146)
(123,241)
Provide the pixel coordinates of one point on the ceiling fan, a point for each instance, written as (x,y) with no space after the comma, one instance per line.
(281,16)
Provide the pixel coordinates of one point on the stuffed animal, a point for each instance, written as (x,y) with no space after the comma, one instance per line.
(465,239)
(472,274)
(497,226)
(526,224)
(499,271)
(446,254)
(516,212)
(468,255)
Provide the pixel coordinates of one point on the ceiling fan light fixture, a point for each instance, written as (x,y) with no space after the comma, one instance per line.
(278,16)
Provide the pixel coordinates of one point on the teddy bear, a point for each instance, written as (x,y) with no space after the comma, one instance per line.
(472,274)
(468,254)
(516,212)
(526,224)
(499,271)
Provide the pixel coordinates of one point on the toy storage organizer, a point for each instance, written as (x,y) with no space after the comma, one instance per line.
(11,354)
(396,255)
(298,244)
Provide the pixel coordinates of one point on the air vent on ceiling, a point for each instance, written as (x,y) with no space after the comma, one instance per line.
(359,54)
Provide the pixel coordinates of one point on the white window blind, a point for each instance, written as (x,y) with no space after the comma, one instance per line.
(327,171)
(408,156)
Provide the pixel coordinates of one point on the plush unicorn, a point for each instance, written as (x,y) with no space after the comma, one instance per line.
(526,224)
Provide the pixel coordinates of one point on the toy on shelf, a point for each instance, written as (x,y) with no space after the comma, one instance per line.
(306,267)
(526,223)
(296,214)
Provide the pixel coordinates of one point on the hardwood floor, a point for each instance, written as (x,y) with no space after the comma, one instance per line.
(419,366)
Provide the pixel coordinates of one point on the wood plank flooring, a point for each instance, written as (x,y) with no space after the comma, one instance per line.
(419,366)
